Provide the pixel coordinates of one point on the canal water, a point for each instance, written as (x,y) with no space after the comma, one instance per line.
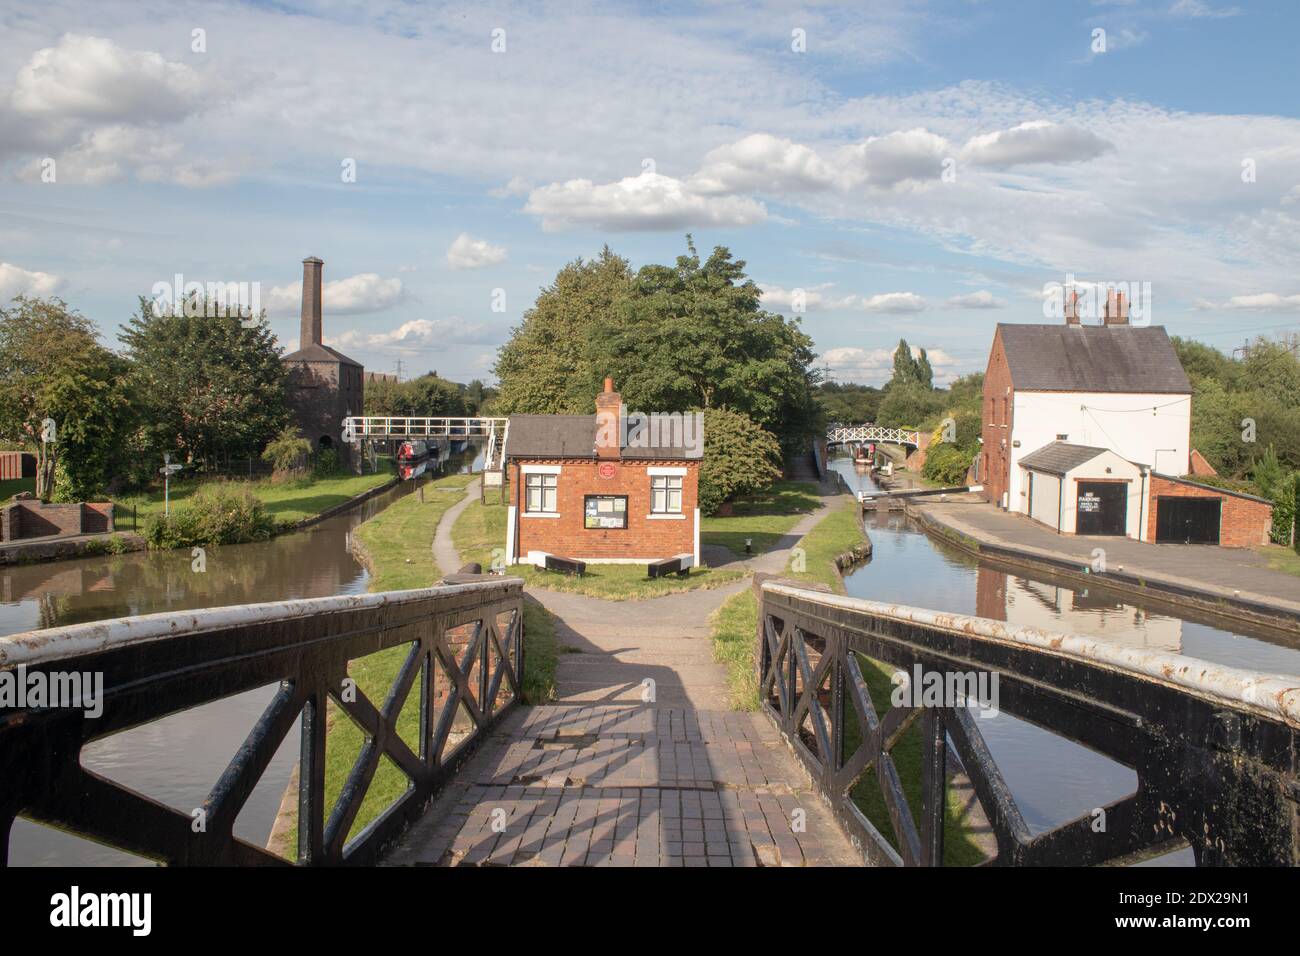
(176,761)
(1053,779)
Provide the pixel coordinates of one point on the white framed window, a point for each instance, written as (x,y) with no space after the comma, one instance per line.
(666,494)
(540,494)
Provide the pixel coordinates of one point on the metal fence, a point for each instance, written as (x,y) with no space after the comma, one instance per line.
(1215,749)
(464,661)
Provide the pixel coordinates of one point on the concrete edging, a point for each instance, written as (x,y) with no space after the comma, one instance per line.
(1144,585)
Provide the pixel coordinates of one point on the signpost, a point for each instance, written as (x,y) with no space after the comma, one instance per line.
(166,471)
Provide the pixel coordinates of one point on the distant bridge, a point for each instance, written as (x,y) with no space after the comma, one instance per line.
(855,434)
(405,427)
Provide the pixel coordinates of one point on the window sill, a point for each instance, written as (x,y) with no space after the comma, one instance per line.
(678,516)
(540,514)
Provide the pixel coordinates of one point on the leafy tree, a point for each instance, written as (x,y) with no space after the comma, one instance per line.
(907,371)
(52,366)
(427,396)
(693,335)
(848,403)
(910,405)
(546,366)
(287,452)
(924,373)
(210,388)
(740,457)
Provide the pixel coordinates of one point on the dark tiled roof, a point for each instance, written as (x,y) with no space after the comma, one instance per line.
(319,353)
(574,436)
(1059,457)
(1093,358)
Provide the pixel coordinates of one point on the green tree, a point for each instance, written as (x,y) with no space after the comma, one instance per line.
(211,388)
(693,335)
(740,457)
(924,373)
(906,369)
(52,366)
(546,365)
(910,405)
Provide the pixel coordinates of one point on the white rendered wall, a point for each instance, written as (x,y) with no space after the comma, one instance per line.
(1123,423)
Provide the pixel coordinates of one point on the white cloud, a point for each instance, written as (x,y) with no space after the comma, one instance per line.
(815,298)
(914,154)
(876,366)
(894,302)
(15,280)
(417,335)
(1199,9)
(468,253)
(355,295)
(1257,302)
(983,299)
(93,78)
(1038,141)
(762,162)
(647,202)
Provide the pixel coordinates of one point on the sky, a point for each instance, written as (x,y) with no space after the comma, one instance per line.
(887,170)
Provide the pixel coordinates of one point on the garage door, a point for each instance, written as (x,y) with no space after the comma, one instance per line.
(1188,520)
(1102,508)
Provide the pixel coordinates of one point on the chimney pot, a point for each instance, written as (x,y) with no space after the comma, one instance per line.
(609,423)
(1072,309)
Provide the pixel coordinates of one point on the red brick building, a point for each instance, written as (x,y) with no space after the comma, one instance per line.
(604,488)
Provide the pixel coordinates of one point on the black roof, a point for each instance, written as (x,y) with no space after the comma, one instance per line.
(319,353)
(1093,358)
(574,436)
(1059,457)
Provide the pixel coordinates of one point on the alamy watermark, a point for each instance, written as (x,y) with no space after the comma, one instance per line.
(924,688)
(178,298)
(1093,298)
(683,430)
(21,689)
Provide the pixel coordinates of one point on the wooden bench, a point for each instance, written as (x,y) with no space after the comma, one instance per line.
(680,565)
(553,562)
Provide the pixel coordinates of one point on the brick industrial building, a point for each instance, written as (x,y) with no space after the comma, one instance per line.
(577,495)
(325,386)
(1087,429)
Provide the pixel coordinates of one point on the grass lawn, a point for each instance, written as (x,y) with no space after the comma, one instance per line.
(288,501)
(762,518)
(480,535)
(1281,558)
(397,546)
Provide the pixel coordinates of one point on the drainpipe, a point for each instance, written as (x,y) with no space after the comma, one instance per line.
(1142,507)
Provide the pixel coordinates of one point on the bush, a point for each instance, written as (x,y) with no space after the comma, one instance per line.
(946,463)
(287,452)
(326,464)
(216,514)
(740,458)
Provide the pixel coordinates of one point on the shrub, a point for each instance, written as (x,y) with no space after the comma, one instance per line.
(215,514)
(326,464)
(946,463)
(740,458)
(287,452)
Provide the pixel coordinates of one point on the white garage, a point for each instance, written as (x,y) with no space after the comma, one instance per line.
(1081,489)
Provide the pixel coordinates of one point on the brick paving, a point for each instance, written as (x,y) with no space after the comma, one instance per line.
(628,785)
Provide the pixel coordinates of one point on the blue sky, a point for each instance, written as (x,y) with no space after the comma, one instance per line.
(919,170)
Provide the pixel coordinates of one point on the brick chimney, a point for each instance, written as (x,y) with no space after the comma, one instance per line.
(1072,309)
(1116,308)
(609,437)
(310,332)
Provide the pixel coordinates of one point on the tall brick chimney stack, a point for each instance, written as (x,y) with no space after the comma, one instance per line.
(1072,309)
(609,433)
(310,332)
(1116,308)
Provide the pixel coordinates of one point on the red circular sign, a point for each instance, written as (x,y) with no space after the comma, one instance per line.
(607,470)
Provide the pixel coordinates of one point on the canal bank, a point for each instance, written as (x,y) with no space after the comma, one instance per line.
(1231,583)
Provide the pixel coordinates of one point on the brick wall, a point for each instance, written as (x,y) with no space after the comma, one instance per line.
(995,470)
(32,519)
(643,538)
(1243,522)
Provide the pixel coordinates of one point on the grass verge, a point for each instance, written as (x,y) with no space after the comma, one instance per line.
(763,519)
(287,501)
(480,536)
(1281,558)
